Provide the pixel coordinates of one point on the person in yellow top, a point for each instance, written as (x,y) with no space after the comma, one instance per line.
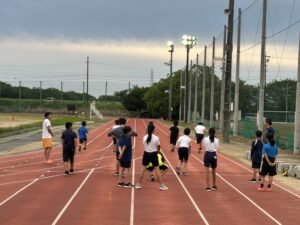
(163,167)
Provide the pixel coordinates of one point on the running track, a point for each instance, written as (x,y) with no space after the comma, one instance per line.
(32,192)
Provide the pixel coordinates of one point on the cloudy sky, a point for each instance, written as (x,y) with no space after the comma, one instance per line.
(49,40)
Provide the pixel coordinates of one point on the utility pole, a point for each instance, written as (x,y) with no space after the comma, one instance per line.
(203,87)
(61,96)
(180,97)
(186,111)
(106,91)
(196,90)
(171,50)
(237,78)
(184,98)
(226,130)
(297,113)
(40,94)
(262,70)
(223,81)
(212,86)
(20,86)
(190,92)
(87,79)
(83,84)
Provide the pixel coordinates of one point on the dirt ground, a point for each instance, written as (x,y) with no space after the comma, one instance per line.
(13,120)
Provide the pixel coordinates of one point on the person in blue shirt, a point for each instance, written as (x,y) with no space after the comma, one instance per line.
(82,133)
(268,167)
(125,156)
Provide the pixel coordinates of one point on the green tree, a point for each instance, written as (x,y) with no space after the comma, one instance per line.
(134,100)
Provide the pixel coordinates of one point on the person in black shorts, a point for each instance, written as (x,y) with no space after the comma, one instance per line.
(163,166)
(125,156)
(69,144)
(210,144)
(174,132)
(256,154)
(184,147)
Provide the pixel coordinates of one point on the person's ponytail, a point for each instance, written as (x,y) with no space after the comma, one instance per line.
(212,133)
(270,138)
(150,130)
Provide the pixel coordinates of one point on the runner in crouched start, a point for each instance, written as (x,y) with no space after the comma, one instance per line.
(163,166)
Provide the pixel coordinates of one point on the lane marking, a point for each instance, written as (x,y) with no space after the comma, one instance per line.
(132,182)
(19,191)
(185,189)
(241,193)
(72,198)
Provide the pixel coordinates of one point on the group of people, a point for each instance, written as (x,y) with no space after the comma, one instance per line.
(69,140)
(264,153)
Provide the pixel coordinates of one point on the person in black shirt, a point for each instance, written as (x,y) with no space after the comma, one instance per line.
(69,145)
(174,132)
(256,155)
(269,129)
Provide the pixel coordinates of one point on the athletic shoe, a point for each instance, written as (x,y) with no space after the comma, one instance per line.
(120,184)
(137,186)
(214,188)
(261,189)
(127,185)
(208,189)
(163,187)
(67,173)
(177,170)
(253,180)
(268,189)
(71,171)
(259,180)
(117,174)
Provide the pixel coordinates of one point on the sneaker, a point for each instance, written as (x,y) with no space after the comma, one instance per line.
(163,187)
(268,189)
(71,171)
(117,174)
(261,189)
(177,170)
(127,185)
(214,188)
(253,180)
(208,189)
(120,184)
(259,180)
(67,173)
(137,186)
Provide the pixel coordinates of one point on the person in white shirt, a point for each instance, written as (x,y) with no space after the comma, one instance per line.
(47,136)
(151,147)
(183,146)
(199,130)
(210,144)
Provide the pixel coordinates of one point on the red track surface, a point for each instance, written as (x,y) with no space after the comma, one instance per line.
(32,192)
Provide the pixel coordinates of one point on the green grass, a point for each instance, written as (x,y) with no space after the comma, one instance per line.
(56,121)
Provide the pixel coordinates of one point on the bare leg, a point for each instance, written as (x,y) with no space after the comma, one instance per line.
(270,180)
(142,174)
(207,176)
(214,176)
(117,166)
(158,175)
(121,177)
(84,145)
(184,166)
(164,172)
(262,180)
(66,166)
(72,165)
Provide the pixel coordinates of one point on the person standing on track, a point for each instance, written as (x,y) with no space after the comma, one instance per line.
(114,127)
(256,154)
(151,147)
(210,144)
(270,155)
(118,133)
(69,144)
(82,133)
(199,132)
(268,128)
(184,148)
(125,156)
(174,131)
(47,136)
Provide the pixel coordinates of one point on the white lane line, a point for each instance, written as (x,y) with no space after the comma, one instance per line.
(72,198)
(241,193)
(247,169)
(132,181)
(186,191)
(16,193)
